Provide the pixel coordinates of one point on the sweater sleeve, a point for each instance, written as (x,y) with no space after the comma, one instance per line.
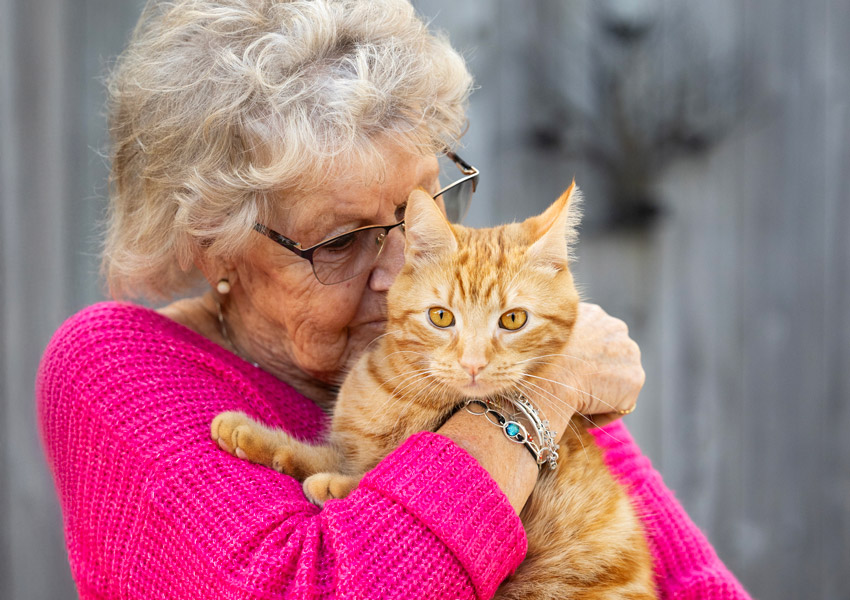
(152,508)
(686,566)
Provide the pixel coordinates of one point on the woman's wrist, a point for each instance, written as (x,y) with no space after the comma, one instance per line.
(521,422)
(509,464)
(561,402)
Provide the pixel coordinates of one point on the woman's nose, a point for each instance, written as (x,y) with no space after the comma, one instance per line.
(389,262)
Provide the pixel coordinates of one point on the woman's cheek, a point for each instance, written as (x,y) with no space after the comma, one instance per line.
(321,335)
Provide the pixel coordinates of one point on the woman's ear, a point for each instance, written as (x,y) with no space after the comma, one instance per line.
(428,235)
(221,274)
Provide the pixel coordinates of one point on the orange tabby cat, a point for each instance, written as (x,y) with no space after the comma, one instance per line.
(494,302)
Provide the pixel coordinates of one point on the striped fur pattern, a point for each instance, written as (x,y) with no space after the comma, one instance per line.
(584,540)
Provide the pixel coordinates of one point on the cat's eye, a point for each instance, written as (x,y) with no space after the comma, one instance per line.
(441,317)
(513,319)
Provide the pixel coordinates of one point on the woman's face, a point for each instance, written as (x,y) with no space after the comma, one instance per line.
(281,316)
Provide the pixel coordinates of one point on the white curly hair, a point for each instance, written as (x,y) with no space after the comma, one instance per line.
(217,108)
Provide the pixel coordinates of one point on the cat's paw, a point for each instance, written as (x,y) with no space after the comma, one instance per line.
(321,487)
(223,425)
(239,435)
(285,461)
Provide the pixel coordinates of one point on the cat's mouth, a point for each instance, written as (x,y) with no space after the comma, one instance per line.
(477,388)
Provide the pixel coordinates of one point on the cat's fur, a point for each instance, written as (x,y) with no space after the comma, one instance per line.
(584,540)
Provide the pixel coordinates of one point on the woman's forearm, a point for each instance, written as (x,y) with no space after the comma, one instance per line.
(508,463)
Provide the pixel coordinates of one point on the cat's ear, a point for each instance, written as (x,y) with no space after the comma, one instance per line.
(427,233)
(556,230)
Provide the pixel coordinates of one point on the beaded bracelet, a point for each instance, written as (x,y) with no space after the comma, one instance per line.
(541,444)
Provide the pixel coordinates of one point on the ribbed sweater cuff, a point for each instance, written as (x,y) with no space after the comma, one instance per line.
(448,491)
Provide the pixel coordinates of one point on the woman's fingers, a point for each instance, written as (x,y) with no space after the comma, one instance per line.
(601,364)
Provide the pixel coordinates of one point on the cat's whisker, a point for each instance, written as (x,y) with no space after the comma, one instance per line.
(528,387)
(535,389)
(543,362)
(575,389)
(404,385)
(580,441)
(426,389)
(570,423)
(405,404)
(519,362)
(400,391)
(423,370)
(407,352)
(391,332)
(585,417)
(394,397)
(421,376)
(406,375)
(413,400)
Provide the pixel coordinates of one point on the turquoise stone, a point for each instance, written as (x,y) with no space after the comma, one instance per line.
(512,429)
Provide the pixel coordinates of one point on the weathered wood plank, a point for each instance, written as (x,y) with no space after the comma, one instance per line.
(739,296)
(35,251)
(49,217)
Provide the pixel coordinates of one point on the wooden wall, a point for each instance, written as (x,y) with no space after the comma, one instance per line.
(739,290)
(736,283)
(51,198)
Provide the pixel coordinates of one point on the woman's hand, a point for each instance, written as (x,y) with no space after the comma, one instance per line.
(599,375)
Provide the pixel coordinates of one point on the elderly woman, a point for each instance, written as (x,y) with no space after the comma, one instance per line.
(249,139)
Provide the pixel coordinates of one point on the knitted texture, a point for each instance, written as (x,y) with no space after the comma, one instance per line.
(686,566)
(153,509)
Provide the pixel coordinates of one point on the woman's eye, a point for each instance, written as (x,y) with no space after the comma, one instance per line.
(399,212)
(339,244)
(513,319)
(441,317)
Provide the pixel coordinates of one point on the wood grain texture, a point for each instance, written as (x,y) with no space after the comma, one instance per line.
(52,196)
(739,294)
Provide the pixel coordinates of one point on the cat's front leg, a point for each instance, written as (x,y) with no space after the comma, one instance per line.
(321,487)
(248,439)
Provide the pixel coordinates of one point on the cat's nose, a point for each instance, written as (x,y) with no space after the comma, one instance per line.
(473,365)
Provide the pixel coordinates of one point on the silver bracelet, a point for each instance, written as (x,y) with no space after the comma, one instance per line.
(541,443)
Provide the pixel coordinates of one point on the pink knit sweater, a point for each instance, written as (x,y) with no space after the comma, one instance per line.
(153,509)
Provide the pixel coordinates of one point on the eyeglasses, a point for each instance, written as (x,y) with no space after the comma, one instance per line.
(347,255)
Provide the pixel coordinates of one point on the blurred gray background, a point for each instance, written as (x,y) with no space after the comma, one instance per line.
(712,141)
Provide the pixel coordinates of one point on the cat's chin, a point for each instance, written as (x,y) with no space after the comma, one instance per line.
(479,390)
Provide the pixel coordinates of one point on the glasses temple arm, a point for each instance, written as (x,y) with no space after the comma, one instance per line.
(279,238)
(467,168)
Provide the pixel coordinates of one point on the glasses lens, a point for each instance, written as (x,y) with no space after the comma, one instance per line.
(457,198)
(348,255)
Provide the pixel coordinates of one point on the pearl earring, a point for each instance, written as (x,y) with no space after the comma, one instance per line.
(223,287)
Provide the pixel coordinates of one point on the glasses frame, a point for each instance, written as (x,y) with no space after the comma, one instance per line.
(469,172)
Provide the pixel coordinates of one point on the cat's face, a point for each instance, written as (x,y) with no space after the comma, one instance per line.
(480,311)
